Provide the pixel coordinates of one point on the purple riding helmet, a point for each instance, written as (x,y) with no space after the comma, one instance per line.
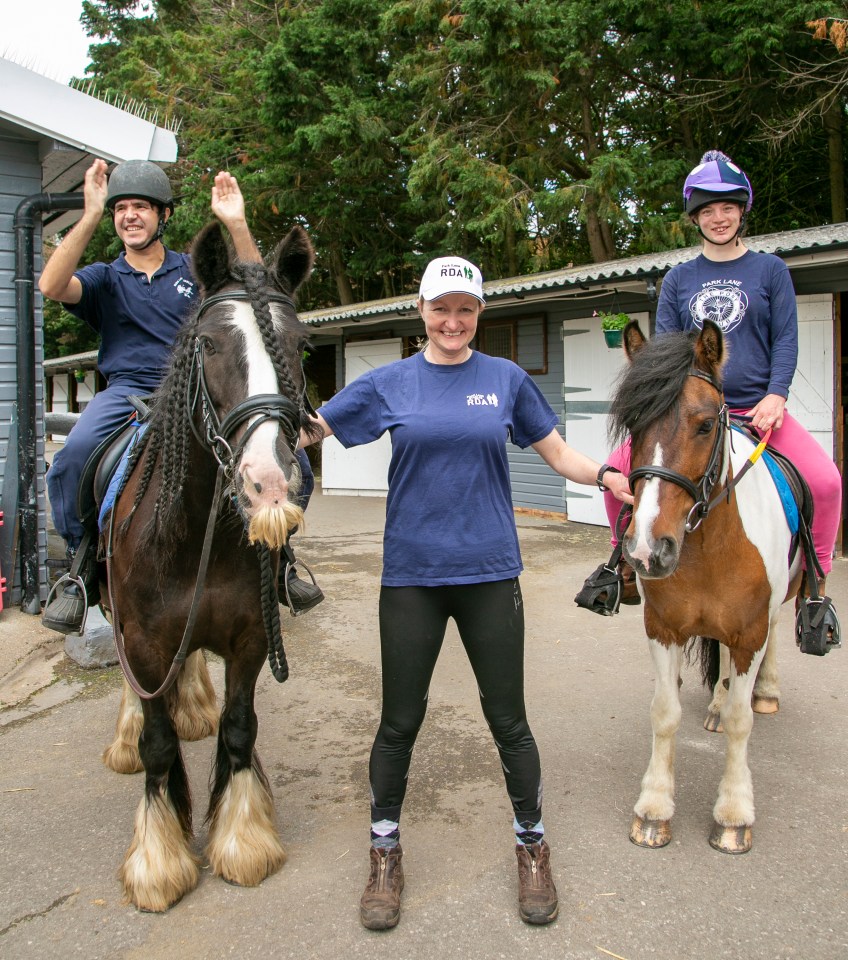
(716,178)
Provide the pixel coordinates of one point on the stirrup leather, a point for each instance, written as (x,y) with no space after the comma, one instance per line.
(816,624)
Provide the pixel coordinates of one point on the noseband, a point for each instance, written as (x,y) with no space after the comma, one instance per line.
(701,491)
(264,407)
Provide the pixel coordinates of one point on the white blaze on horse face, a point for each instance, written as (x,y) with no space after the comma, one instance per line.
(647,513)
(264,481)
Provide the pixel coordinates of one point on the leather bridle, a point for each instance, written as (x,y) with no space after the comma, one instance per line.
(701,490)
(216,437)
(217,433)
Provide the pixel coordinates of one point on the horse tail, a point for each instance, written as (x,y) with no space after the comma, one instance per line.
(708,654)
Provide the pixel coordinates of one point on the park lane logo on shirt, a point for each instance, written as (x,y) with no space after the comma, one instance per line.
(185,287)
(724,302)
(480,400)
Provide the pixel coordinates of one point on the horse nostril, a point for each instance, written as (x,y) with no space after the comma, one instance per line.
(257,487)
(667,550)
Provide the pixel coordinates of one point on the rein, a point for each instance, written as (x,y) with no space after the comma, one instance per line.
(216,439)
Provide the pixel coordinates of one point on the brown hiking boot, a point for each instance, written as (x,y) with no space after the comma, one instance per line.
(379,908)
(537,896)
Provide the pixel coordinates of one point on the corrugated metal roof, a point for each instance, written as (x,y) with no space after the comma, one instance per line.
(784,244)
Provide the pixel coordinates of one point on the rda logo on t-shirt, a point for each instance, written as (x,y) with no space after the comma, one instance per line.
(723,303)
(185,287)
(478,400)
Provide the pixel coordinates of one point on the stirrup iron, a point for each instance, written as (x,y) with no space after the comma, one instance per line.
(601,592)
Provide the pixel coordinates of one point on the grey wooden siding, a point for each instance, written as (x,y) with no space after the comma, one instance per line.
(535,486)
(20,177)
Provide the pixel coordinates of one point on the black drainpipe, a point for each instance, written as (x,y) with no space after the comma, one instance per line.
(25,223)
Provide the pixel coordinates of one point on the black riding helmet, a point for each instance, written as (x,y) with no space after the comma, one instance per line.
(141,180)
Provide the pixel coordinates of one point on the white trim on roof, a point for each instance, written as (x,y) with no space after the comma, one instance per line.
(50,109)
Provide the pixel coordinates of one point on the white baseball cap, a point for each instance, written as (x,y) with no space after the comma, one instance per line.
(451,275)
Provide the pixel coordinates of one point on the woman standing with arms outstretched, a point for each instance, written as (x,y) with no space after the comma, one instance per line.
(451,551)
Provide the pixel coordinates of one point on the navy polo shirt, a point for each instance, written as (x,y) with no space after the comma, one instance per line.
(137,319)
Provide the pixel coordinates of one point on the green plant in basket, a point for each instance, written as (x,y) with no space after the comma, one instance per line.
(613,321)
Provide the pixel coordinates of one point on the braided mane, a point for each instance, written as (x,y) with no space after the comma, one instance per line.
(167,443)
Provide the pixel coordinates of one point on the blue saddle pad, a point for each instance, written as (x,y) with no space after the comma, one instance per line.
(118,476)
(790,508)
(784,491)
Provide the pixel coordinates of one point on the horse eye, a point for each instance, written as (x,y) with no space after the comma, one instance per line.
(706,426)
(209,348)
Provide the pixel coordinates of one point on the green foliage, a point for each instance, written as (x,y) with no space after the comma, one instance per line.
(523,134)
(64,335)
(613,321)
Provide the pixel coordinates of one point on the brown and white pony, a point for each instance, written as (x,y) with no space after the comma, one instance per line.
(194,540)
(712,562)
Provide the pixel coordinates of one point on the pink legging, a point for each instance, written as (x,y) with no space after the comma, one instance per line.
(818,469)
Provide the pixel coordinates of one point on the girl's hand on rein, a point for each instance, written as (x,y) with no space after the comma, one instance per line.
(768,413)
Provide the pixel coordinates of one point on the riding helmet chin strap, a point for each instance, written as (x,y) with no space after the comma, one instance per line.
(160,232)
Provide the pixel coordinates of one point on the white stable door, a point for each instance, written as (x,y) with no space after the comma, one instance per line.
(360,471)
(590,370)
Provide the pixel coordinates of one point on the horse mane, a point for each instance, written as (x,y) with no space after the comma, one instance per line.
(167,441)
(651,383)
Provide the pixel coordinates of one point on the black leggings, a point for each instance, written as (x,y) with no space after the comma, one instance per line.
(490,620)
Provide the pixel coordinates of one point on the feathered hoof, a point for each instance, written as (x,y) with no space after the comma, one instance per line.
(244,847)
(159,868)
(122,757)
(650,833)
(731,839)
(713,723)
(195,711)
(765,704)
(122,754)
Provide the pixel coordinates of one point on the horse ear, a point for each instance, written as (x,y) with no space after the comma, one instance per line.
(709,349)
(292,260)
(210,258)
(633,339)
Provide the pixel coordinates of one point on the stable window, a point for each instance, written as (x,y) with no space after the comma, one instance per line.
(523,340)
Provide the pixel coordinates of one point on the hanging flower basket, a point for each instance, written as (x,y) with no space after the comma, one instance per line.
(612,325)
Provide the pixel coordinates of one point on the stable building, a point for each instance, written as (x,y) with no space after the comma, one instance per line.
(548,324)
(49,136)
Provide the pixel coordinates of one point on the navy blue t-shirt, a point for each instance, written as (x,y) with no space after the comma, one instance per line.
(449,517)
(753,301)
(137,319)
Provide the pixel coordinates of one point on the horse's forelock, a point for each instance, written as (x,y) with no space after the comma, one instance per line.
(650,385)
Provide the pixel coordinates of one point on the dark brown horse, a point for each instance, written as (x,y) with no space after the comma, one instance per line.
(711,558)
(193,546)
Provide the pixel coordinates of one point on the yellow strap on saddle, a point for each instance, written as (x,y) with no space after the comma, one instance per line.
(760,447)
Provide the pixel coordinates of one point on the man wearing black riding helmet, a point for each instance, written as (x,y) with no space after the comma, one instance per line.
(136,304)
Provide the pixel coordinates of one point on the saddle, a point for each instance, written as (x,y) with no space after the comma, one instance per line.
(817,627)
(98,472)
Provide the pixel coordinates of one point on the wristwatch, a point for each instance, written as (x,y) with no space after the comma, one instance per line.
(601,472)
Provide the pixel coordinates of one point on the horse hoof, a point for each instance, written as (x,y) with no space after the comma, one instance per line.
(713,723)
(731,839)
(650,833)
(765,704)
